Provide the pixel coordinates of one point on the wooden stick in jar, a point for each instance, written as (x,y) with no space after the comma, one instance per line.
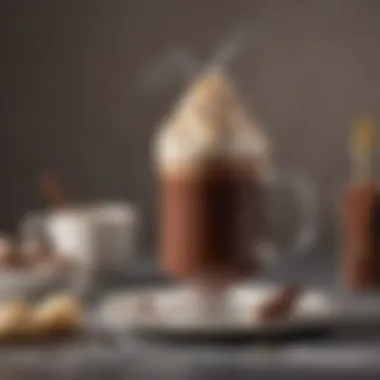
(52,190)
(361,149)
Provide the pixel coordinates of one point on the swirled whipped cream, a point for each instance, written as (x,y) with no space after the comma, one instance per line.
(210,121)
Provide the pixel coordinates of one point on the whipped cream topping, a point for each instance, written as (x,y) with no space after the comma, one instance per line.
(210,121)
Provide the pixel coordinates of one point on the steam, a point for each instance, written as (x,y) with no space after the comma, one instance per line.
(230,48)
(172,66)
(183,65)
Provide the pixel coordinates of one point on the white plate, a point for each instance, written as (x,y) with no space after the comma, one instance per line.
(176,314)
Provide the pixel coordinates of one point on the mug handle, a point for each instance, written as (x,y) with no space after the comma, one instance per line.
(307,204)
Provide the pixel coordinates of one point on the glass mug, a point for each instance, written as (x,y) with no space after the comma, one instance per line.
(207,223)
(211,226)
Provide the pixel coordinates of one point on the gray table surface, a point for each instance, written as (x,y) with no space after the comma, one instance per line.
(346,355)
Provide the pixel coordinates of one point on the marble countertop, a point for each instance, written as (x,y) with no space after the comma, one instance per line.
(346,354)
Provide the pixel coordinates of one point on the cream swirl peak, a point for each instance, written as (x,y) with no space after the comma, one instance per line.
(210,121)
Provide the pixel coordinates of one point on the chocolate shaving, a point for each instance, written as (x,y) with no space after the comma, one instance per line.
(281,304)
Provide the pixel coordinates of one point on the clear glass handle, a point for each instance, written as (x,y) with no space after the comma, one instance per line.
(307,206)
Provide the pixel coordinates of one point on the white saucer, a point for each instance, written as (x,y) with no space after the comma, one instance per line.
(175,313)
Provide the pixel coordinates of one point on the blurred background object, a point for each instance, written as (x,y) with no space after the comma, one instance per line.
(94,236)
(52,190)
(361,214)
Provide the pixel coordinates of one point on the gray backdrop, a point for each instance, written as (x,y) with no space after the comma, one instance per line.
(71,98)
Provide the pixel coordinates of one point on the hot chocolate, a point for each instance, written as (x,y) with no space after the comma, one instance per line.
(210,220)
(210,157)
(361,215)
(361,261)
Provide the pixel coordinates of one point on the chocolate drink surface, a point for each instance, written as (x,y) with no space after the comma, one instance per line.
(210,220)
(361,256)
